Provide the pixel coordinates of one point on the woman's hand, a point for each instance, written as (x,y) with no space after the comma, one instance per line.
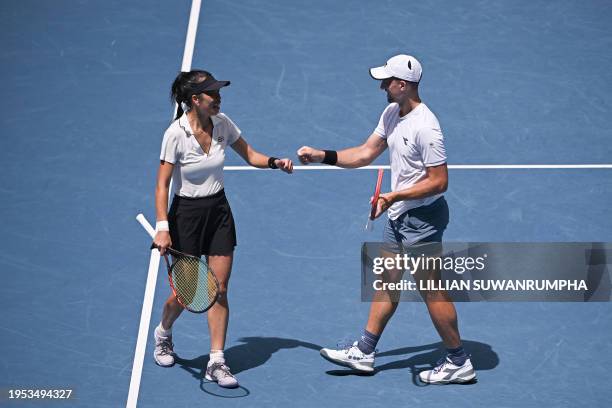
(285,165)
(162,241)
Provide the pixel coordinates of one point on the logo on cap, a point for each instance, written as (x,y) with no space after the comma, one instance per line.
(409,65)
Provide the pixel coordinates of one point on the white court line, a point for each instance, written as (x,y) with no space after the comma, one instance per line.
(147,304)
(192,29)
(450,166)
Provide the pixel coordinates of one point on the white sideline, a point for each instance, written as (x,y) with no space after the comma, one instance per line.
(147,304)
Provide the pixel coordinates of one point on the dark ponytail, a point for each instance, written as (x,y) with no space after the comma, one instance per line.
(181,87)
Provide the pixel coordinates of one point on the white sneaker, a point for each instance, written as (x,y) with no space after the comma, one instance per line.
(350,356)
(164,350)
(220,373)
(446,372)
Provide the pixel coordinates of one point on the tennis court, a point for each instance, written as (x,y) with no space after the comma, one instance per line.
(86,100)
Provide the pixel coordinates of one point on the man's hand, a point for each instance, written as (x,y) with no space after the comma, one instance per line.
(308,155)
(384,202)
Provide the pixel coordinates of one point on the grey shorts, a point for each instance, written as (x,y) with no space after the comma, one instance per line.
(418,225)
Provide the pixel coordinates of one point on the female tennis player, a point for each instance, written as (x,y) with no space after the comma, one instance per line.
(200,220)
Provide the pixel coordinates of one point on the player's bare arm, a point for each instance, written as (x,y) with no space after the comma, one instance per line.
(350,158)
(164,174)
(259,160)
(434,182)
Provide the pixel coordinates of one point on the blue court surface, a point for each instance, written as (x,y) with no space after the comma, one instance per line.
(85,88)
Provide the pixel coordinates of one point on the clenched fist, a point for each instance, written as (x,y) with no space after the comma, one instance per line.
(308,155)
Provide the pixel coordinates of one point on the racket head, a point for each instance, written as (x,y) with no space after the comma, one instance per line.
(374,202)
(192,281)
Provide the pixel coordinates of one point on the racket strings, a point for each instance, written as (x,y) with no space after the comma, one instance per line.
(194,285)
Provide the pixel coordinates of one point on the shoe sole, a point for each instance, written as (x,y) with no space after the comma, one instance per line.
(162,365)
(362,368)
(209,378)
(455,381)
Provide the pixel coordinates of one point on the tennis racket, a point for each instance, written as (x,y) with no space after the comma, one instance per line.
(369,225)
(192,281)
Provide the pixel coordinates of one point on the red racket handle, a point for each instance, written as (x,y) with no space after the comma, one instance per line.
(376,193)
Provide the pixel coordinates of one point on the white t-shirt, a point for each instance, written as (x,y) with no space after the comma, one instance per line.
(197,174)
(415,142)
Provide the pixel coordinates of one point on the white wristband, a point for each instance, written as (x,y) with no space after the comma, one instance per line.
(161,226)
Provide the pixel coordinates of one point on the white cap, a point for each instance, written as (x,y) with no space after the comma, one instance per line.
(401,66)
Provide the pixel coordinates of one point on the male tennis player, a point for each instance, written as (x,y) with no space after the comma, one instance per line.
(417,210)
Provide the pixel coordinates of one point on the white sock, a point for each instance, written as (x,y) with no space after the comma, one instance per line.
(216,356)
(163,332)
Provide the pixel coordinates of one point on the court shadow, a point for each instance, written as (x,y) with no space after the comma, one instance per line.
(483,357)
(254,352)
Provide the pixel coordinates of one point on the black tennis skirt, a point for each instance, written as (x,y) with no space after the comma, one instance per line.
(202,226)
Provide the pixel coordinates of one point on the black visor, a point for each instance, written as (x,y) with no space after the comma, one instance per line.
(209,84)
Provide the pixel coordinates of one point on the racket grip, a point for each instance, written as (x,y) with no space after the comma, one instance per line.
(145,224)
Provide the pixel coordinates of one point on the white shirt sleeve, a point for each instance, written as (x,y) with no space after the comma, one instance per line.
(431,144)
(383,122)
(233,131)
(380,128)
(169,148)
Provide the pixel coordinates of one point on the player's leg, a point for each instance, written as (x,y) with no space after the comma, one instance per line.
(172,310)
(218,317)
(384,302)
(361,354)
(456,365)
(163,353)
(184,239)
(164,348)
(444,317)
(439,303)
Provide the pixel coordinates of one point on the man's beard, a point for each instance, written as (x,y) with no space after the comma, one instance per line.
(390,98)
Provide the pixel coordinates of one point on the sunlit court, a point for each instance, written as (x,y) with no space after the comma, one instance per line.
(275,198)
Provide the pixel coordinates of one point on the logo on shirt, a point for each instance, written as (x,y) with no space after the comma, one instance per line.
(405,141)
(220,139)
